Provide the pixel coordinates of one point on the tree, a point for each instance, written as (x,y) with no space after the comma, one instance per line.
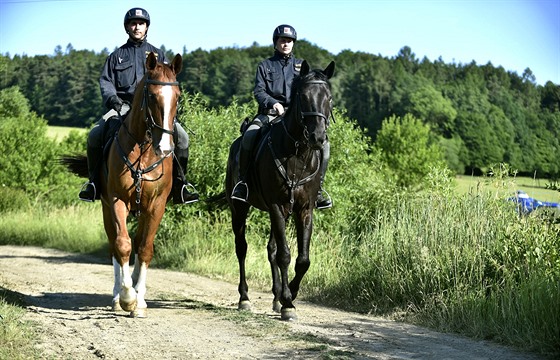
(429,105)
(408,150)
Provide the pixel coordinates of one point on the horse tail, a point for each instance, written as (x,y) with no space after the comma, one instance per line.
(76,164)
(217,201)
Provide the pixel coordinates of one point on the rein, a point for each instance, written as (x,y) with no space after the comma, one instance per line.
(135,171)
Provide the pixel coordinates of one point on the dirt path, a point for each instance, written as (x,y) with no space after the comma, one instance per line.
(192,317)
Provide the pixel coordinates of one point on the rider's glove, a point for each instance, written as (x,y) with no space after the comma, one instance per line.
(115,103)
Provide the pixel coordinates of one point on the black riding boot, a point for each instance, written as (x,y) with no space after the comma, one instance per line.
(89,190)
(322,201)
(181,193)
(241,191)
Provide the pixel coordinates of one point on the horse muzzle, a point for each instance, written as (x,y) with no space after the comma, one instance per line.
(316,142)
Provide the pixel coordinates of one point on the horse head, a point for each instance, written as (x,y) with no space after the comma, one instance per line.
(160,98)
(313,103)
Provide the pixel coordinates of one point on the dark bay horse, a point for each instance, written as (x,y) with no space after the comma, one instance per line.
(284,180)
(138,178)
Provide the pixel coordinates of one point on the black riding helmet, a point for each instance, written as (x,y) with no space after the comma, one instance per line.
(135,14)
(284,30)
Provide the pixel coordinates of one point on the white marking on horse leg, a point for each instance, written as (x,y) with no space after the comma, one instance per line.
(166,140)
(127,296)
(116,306)
(141,286)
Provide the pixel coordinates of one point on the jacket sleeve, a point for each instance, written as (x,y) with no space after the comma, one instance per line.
(264,100)
(107,81)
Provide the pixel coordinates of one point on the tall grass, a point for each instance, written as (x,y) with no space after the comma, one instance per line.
(72,228)
(466,264)
(455,261)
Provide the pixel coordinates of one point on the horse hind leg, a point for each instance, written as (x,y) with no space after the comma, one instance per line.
(238,224)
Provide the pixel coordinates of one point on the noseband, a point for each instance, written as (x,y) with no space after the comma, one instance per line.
(150,123)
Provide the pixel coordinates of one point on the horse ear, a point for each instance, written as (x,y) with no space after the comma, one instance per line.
(177,64)
(151,61)
(304,68)
(329,71)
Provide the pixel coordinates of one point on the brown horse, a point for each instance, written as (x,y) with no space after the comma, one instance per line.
(284,180)
(138,179)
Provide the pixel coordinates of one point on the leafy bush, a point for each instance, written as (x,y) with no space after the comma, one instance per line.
(29,162)
(407,150)
(12,200)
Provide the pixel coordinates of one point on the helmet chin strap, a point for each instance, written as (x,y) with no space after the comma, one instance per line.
(137,41)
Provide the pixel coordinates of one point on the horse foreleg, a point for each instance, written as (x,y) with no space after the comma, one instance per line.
(276,283)
(283,258)
(144,248)
(123,291)
(238,225)
(304,227)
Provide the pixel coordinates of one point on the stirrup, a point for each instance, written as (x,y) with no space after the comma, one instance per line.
(326,203)
(194,196)
(239,188)
(83,192)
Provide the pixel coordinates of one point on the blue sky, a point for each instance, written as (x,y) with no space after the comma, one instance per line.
(514,34)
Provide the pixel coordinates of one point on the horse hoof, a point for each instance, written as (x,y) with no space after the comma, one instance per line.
(130,306)
(276,306)
(139,313)
(288,314)
(116,306)
(244,305)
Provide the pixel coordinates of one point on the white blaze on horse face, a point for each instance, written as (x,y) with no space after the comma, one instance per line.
(165,143)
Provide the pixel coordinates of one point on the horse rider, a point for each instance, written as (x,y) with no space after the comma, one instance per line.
(273,91)
(122,71)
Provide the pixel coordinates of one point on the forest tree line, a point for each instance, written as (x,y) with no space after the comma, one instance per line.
(479,115)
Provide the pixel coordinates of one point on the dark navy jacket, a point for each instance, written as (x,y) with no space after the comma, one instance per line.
(124,68)
(274,81)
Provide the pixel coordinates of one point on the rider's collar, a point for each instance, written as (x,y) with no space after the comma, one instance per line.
(137,43)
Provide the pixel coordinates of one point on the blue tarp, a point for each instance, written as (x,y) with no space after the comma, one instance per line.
(527,204)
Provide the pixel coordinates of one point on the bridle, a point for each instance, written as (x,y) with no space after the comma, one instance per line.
(293,182)
(150,123)
(135,171)
(303,114)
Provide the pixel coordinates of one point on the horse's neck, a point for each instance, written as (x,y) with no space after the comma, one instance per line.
(134,128)
(136,124)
